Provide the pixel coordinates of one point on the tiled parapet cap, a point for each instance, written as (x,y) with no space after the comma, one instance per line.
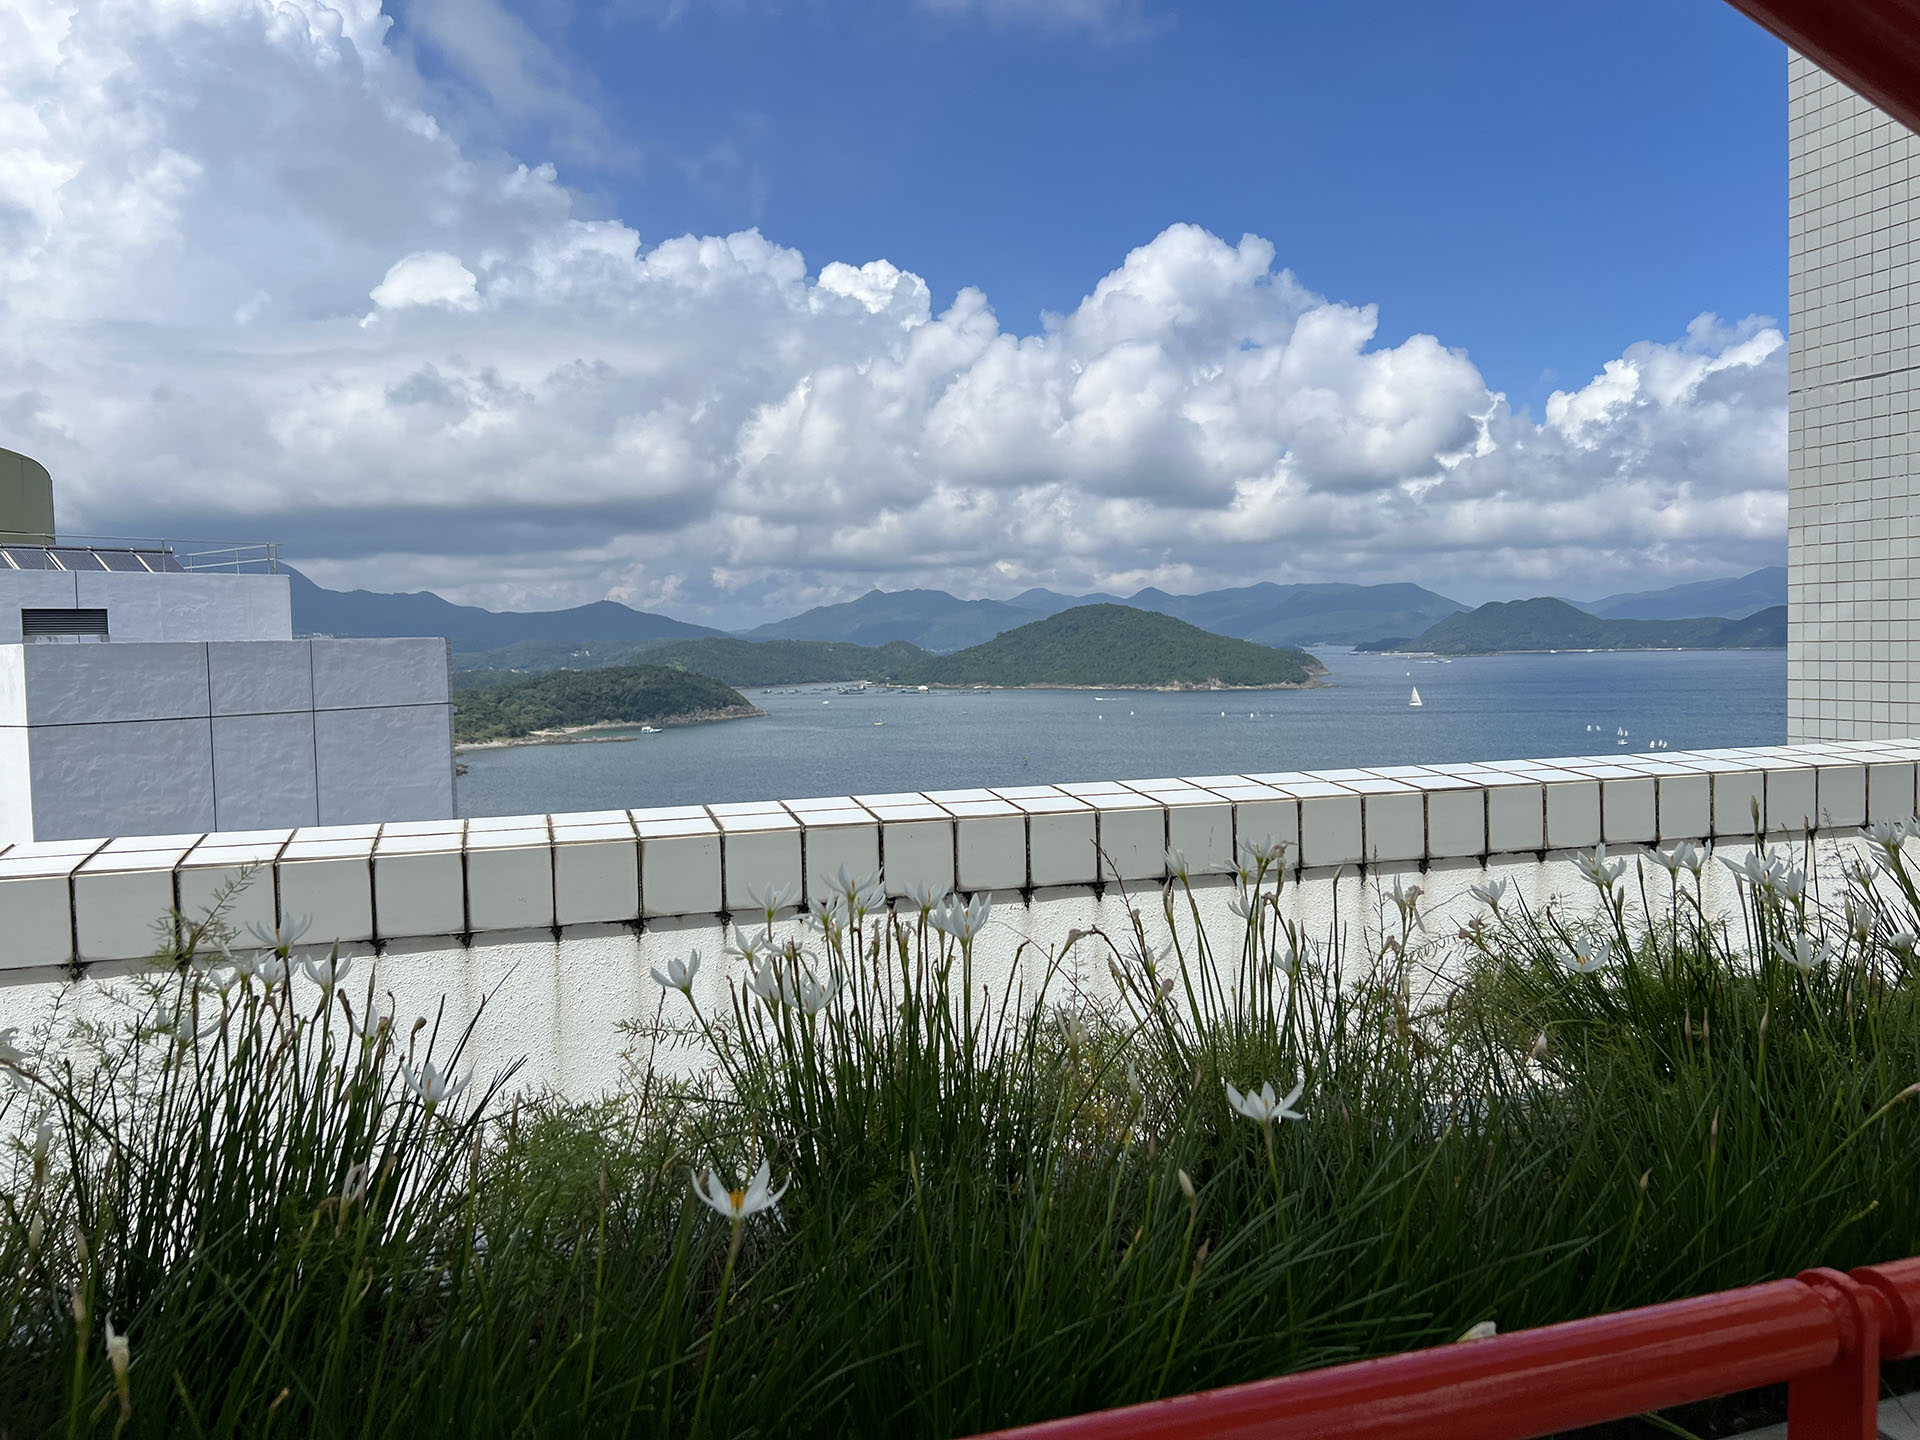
(99,899)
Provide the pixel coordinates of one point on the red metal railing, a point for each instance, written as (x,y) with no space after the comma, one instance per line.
(1822,1334)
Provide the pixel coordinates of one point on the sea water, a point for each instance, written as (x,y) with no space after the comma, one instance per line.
(817,740)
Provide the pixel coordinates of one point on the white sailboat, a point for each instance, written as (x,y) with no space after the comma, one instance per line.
(1415,701)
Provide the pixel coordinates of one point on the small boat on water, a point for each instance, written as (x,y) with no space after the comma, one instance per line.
(1414,700)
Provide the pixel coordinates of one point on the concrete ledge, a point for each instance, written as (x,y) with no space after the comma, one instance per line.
(91,900)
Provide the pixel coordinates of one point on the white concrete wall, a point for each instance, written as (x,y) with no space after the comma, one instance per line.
(561,917)
(171,738)
(186,607)
(1853,521)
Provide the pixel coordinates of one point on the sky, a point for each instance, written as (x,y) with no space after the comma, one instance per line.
(726,308)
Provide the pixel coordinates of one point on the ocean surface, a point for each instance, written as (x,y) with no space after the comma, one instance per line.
(816,740)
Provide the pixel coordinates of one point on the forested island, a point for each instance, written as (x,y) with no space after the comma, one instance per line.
(1547,624)
(497,709)
(1117,647)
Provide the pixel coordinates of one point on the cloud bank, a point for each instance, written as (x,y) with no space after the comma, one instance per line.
(251,282)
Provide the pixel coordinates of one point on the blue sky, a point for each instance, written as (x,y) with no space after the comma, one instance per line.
(1541,183)
(731,307)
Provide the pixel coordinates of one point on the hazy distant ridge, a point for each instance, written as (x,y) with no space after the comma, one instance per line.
(1547,624)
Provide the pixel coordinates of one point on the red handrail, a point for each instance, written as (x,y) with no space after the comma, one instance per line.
(1823,1334)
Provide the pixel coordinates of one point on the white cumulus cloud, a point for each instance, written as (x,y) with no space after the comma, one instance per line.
(199,199)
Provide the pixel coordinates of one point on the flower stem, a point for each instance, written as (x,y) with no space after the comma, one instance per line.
(713,1336)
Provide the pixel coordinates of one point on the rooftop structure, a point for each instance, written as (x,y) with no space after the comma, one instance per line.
(154,686)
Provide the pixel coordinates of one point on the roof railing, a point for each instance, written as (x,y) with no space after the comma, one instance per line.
(1822,1334)
(136,554)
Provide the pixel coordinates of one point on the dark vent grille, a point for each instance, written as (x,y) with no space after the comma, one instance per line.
(37,624)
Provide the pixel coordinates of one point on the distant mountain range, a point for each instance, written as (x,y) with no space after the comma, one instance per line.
(1547,624)
(1731,599)
(1266,614)
(318,611)
(933,620)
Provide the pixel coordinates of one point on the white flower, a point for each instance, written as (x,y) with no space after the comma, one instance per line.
(738,1205)
(961,919)
(434,1086)
(326,971)
(271,969)
(283,936)
(1490,893)
(1264,851)
(764,981)
(1243,903)
(1589,959)
(771,901)
(816,995)
(679,974)
(1290,961)
(864,894)
(1802,952)
(1177,864)
(1597,869)
(1889,834)
(830,914)
(120,1357)
(1540,1047)
(741,946)
(1262,1108)
(10,1053)
(1692,857)
(925,894)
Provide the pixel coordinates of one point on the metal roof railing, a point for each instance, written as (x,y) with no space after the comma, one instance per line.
(1822,1334)
(136,554)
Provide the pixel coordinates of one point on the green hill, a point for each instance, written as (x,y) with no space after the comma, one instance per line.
(1116,646)
(510,707)
(1545,624)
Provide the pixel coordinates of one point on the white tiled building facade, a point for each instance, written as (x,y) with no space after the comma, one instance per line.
(1854,365)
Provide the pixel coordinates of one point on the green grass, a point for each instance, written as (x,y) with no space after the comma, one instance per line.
(986,1221)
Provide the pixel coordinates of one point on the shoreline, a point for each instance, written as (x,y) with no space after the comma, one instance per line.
(586,734)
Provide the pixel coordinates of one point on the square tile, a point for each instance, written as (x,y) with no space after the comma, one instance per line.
(1841,791)
(36,916)
(1203,833)
(1396,825)
(510,887)
(918,852)
(1628,813)
(122,913)
(830,848)
(1456,822)
(1132,844)
(1258,821)
(1330,829)
(680,870)
(596,881)
(758,859)
(993,847)
(334,892)
(1790,802)
(418,888)
(1890,792)
(246,888)
(1686,806)
(1573,814)
(1516,819)
(1738,796)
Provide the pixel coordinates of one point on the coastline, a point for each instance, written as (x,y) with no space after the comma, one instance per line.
(587,734)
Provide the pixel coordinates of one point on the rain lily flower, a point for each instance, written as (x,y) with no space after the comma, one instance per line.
(771,901)
(763,981)
(925,894)
(1889,835)
(1597,869)
(816,995)
(10,1053)
(738,1205)
(434,1086)
(829,914)
(961,920)
(1802,952)
(1490,894)
(1243,903)
(285,935)
(1177,864)
(1262,1108)
(741,946)
(1264,851)
(679,973)
(1589,959)
(1540,1047)
(120,1357)
(863,894)
(326,971)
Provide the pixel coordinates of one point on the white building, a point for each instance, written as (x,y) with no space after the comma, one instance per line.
(1853,519)
(154,687)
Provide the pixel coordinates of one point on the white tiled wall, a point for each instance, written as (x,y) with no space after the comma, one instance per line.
(1853,524)
(452,878)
